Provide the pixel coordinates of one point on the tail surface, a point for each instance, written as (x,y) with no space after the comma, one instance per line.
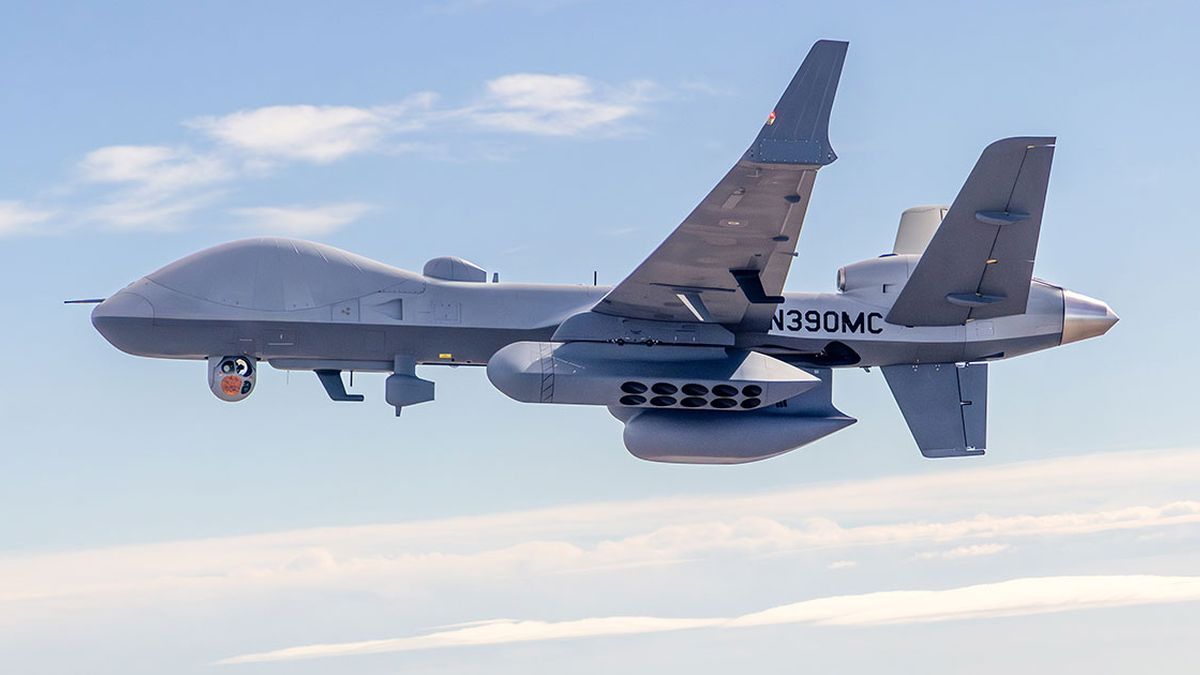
(945,406)
(979,263)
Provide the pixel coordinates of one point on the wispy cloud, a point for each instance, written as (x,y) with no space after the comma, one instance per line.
(162,186)
(969,551)
(595,538)
(19,218)
(576,560)
(313,133)
(153,168)
(374,557)
(303,221)
(704,88)
(1015,597)
(556,105)
(153,187)
(132,212)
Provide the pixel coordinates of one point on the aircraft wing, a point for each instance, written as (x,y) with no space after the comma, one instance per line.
(727,262)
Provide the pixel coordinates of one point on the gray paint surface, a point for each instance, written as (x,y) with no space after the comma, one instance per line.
(944,405)
(751,220)
(980,261)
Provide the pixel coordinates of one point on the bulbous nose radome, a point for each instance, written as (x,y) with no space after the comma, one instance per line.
(1085,317)
(123,319)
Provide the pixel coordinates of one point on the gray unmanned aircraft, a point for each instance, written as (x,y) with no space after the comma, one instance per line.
(698,352)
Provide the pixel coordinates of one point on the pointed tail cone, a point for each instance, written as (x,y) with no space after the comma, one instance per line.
(1085,317)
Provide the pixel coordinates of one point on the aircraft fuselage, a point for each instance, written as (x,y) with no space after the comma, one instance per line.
(465,323)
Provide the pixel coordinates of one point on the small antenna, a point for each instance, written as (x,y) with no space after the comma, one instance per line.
(595,277)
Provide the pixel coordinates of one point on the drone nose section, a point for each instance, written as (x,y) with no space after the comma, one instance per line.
(123,305)
(1085,317)
(123,318)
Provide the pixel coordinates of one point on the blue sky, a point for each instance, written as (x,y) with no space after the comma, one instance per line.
(150,528)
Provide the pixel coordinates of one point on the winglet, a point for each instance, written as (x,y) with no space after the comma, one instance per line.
(797,130)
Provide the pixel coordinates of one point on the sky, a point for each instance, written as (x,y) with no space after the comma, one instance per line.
(146,527)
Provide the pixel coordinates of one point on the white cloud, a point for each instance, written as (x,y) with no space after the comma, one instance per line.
(1015,597)
(522,103)
(18,218)
(576,560)
(147,212)
(1036,595)
(156,168)
(159,187)
(556,105)
(373,558)
(969,551)
(600,538)
(301,221)
(299,132)
(317,133)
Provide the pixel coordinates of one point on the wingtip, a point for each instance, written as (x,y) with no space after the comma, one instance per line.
(797,130)
(1028,141)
